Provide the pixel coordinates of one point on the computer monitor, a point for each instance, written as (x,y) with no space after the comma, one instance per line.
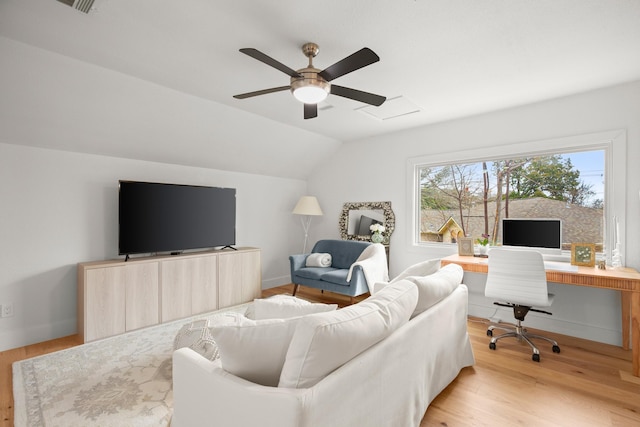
(532,232)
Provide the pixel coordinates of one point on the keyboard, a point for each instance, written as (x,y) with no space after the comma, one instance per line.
(560,266)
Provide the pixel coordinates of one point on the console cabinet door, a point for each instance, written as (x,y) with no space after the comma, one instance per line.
(189,286)
(141,292)
(204,287)
(104,303)
(239,277)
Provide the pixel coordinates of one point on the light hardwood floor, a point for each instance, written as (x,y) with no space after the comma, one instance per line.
(587,384)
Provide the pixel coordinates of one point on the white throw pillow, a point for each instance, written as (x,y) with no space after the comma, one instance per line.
(423,268)
(323,342)
(255,349)
(435,287)
(284,307)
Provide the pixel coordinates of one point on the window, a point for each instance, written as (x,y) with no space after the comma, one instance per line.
(471,199)
(469,193)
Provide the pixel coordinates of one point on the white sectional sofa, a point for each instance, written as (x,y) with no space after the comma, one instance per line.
(390,383)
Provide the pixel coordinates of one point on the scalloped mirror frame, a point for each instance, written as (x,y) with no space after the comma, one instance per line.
(389,219)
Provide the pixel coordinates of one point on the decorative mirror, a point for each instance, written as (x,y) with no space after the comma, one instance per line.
(356,218)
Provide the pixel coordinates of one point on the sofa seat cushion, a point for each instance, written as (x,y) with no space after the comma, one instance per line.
(338,277)
(325,341)
(314,273)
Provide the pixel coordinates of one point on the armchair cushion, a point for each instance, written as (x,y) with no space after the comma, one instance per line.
(339,277)
(314,273)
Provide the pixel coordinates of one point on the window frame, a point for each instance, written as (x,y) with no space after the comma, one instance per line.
(614,144)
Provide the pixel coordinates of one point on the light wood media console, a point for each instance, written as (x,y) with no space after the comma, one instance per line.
(118,296)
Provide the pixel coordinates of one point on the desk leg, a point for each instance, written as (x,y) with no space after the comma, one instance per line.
(635,332)
(625,305)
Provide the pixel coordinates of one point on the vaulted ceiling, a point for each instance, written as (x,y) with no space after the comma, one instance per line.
(155,79)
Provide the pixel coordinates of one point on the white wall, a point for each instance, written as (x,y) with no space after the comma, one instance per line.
(375,169)
(60,208)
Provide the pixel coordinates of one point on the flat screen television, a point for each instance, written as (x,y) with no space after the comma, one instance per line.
(155,217)
(532,232)
(364,225)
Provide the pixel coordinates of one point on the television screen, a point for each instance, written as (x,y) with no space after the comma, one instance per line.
(364,225)
(156,217)
(534,233)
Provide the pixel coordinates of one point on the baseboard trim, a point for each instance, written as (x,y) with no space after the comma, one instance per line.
(552,324)
(275,282)
(36,334)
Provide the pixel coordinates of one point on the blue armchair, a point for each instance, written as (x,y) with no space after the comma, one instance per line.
(333,278)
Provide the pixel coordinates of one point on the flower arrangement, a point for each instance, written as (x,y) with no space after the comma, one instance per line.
(484,241)
(377,230)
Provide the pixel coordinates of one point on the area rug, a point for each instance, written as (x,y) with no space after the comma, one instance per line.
(119,381)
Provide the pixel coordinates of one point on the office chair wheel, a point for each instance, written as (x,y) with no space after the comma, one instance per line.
(536,357)
(489,333)
(556,349)
(492,345)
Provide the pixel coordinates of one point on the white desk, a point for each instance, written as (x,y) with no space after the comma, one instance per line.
(625,280)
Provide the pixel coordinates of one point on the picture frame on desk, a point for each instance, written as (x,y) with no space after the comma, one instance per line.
(465,246)
(583,254)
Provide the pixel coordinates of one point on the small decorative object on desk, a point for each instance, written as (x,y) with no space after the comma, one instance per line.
(483,245)
(376,235)
(616,255)
(465,246)
(583,254)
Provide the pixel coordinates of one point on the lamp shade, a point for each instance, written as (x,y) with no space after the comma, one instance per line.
(307,205)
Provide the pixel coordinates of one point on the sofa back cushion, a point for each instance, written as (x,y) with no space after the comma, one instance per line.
(255,349)
(325,341)
(423,268)
(343,252)
(435,287)
(286,306)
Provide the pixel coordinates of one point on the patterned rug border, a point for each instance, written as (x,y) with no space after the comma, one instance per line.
(28,409)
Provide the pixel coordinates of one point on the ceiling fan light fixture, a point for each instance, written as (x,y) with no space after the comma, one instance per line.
(310,94)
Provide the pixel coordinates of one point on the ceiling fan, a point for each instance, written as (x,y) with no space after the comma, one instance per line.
(310,85)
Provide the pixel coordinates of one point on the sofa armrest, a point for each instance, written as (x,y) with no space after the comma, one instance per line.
(297,262)
(204,394)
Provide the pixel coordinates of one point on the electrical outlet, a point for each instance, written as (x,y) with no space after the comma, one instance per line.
(6,310)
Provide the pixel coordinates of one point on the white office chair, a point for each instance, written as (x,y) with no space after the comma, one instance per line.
(518,278)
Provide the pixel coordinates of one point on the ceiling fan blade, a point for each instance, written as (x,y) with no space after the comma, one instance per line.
(355,61)
(310,111)
(261,92)
(256,54)
(358,95)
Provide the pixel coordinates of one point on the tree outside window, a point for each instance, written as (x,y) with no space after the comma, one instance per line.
(471,199)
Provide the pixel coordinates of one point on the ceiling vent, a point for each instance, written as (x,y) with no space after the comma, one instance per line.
(391,109)
(81,5)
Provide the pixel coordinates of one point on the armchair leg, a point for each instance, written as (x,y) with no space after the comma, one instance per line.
(295,289)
